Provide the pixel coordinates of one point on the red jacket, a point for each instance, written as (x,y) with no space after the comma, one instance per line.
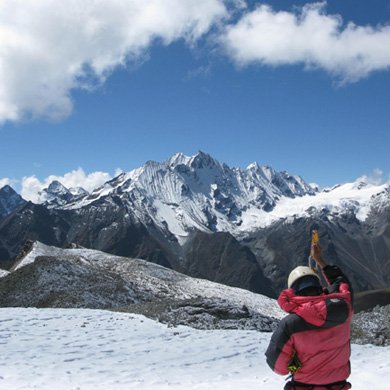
(317,330)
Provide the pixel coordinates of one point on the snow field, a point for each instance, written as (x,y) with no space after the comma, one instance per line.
(94,349)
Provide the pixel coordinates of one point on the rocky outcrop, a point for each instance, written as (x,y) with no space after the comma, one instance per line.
(205,313)
(372,326)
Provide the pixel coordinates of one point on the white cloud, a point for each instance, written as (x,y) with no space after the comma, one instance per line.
(309,37)
(4,181)
(49,47)
(32,186)
(377,177)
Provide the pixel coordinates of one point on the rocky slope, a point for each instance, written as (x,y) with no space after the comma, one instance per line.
(52,277)
(360,248)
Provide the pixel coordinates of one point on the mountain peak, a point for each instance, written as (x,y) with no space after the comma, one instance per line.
(7,189)
(178,159)
(56,194)
(202,160)
(9,200)
(56,187)
(253,166)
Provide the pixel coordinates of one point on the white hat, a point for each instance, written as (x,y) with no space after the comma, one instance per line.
(298,273)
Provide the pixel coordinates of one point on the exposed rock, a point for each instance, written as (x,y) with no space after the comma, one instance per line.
(372,327)
(205,313)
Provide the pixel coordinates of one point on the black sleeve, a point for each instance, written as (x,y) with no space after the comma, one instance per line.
(279,350)
(335,277)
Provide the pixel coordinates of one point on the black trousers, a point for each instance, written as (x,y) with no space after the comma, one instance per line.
(293,385)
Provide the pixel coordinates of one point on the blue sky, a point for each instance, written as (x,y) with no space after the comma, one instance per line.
(311,108)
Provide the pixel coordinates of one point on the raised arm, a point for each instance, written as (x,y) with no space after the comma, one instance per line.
(332,273)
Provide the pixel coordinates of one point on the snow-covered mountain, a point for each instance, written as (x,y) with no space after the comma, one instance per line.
(9,200)
(185,193)
(198,192)
(243,227)
(57,195)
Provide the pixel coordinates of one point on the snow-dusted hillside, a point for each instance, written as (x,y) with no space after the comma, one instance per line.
(88,276)
(82,349)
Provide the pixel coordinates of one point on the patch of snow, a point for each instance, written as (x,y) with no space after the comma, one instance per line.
(38,249)
(93,349)
(340,198)
(3,272)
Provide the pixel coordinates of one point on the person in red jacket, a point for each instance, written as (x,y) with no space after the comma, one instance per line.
(313,341)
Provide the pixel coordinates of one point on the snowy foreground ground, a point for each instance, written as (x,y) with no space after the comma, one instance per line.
(94,349)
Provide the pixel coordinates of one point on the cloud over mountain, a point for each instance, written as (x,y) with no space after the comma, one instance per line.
(4,181)
(377,177)
(32,186)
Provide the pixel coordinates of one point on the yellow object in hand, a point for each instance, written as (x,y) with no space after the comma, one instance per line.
(314,237)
